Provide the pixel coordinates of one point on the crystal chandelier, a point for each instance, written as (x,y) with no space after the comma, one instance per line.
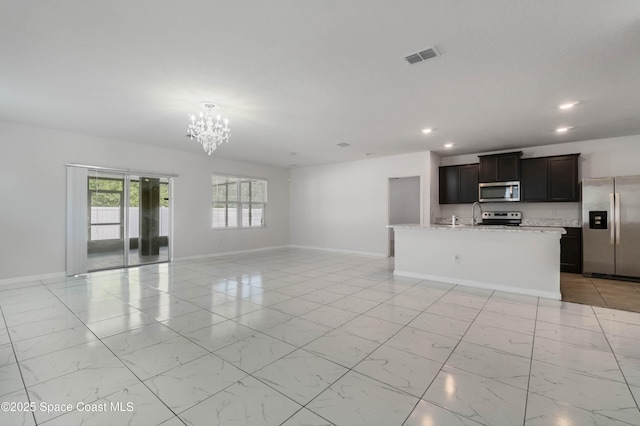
(210,131)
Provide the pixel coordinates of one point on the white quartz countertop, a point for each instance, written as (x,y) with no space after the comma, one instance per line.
(483,228)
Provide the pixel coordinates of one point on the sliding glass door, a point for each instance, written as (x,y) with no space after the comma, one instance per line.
(128,220)
(106,197)
(148,220)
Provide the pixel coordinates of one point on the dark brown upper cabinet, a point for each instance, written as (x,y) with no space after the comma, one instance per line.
(500,167)
(553,179)
(535,179)
(458,184)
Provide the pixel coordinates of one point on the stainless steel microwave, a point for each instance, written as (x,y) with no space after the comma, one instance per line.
(496,192)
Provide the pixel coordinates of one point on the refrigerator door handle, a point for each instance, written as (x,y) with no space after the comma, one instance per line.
(612,220)
(617,218)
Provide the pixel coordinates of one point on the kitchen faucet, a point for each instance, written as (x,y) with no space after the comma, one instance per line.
(473,213)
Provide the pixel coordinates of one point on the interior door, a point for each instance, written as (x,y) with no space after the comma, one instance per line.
(628,233)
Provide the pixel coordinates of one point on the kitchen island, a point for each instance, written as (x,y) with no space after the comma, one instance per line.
(517,259)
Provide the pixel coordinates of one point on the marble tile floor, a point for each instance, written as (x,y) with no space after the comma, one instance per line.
(306,337)
(110,260)
(614,294)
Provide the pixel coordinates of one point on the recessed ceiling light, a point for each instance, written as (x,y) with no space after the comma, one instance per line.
(568,105)
(293,153)
(563,129)
(427,130)
(448,145)
(343,144)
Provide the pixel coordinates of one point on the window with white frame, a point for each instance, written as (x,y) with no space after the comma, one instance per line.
(239,202)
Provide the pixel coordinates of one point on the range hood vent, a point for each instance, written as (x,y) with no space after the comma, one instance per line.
(423,55)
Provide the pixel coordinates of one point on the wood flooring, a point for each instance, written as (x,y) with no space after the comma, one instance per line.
(623,295)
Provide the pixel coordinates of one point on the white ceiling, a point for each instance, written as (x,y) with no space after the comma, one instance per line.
(302,76)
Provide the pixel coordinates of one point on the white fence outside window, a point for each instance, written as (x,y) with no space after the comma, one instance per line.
(112,215)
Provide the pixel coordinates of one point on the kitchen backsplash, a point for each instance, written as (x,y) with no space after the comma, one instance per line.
(533,214)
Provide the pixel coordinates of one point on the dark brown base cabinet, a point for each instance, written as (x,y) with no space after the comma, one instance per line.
(458,184)
(550,179)
(571,251)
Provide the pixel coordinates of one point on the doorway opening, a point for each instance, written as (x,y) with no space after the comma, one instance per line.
(404,205)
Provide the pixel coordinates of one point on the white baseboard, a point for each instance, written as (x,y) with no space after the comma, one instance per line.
(227,253)
(480,284)
(27,278)
(333,250)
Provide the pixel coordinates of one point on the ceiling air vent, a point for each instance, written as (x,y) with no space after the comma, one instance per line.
(414,59)
(423,55)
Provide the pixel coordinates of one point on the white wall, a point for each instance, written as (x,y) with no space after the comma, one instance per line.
(345,206)
(33,180)
(599,158)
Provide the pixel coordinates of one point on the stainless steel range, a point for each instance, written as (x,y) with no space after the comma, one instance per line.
(501,218)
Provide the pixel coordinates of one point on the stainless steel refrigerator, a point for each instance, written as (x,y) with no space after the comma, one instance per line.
(611,226)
